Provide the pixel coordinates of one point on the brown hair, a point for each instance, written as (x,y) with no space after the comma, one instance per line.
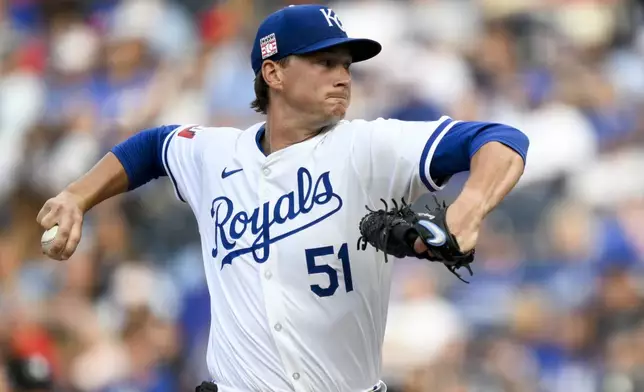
(260,104)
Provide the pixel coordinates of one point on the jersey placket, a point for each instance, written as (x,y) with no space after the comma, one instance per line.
(273,292)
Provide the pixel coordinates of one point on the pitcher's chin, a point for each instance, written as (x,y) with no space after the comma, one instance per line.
(338,110)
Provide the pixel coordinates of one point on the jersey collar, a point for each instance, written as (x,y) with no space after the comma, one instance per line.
(258,138)
(262,131)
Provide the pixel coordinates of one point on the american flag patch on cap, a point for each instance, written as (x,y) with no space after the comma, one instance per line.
(269,45)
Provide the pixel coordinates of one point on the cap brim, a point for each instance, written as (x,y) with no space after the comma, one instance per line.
(361,49)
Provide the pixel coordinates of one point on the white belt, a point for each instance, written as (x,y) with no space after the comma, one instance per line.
(379,387)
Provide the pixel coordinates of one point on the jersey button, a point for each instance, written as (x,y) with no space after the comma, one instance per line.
(296,376)
(268,274)
(278,327)
(267,171)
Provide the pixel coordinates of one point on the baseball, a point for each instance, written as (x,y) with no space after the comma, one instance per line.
(48,237)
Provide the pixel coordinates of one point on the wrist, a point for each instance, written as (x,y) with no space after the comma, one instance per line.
(464,222)
(77,197)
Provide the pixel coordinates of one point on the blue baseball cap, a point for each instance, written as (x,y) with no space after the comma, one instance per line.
(301,29)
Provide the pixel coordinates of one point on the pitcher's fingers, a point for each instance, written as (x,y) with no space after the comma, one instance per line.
(64,229)
(51,219)
(73,240)
(43,212)
(420,246)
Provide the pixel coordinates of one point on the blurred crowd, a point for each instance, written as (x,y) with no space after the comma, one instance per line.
(557,300)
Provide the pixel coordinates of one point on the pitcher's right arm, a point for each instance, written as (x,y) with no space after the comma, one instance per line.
(129,165)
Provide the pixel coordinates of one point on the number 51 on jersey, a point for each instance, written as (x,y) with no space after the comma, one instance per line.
(314,268)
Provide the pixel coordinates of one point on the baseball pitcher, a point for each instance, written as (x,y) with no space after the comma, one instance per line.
(298,214)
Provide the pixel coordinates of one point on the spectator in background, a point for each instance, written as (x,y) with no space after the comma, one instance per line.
(618,306)
(499,276)
(29,374)
(21,101)
(145,338)
(422,326)
(573,243)
(227,78)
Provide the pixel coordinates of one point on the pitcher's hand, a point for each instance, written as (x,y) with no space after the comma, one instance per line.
(465,229)
(65,211)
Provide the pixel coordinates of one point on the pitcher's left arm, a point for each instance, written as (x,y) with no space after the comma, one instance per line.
(495,155)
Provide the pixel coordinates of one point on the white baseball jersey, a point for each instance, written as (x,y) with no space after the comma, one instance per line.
(294,305)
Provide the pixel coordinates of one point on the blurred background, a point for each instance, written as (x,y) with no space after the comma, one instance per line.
(557,300)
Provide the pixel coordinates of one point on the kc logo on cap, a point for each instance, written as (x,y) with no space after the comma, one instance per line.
(268,45)
(331,17)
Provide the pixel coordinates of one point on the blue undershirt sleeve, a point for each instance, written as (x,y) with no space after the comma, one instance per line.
(141,155)
(458,146)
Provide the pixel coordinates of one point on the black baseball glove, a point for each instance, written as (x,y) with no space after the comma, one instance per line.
(394,231)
